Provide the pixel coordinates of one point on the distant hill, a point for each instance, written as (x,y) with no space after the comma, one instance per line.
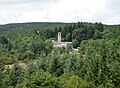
(7,28)
(13,27)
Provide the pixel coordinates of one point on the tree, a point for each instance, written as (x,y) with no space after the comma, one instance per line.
(1,75)
(99,26)
(28,55)
(37,47)
(75,43)
(32,68)
(15,76)
(97,35)
(71,64)
(69,48)
(43,80)
(80,25)
(98,63)
(3,40)
(73,81)
(69,37)
(48,46)
(54,65)
(83,34)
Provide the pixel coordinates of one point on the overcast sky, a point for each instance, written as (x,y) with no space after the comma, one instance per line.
(106,11)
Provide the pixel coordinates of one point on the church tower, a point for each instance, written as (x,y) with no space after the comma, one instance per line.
(59,36)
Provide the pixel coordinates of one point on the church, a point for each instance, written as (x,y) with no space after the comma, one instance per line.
(59,43)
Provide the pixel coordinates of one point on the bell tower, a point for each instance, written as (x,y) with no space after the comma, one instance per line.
(59,36)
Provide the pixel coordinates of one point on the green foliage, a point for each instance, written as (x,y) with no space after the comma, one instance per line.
(42,80)
(101,57)
(69,48)
(32,68)
(55,64)
(97,35)
(71,64)
(13,76)
(73,81)
(75,43)
(99,26)
(3,40)
(83,34)
(1,75)
(48,46)
(28,54)
(28,59)
(69,37)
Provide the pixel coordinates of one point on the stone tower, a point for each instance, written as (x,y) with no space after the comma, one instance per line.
(59,36)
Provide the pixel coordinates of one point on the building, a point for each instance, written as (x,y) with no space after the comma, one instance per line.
(59,43)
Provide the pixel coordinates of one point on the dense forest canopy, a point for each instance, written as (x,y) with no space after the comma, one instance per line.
(28,59)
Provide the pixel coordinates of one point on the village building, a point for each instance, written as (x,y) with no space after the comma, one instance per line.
(59,43)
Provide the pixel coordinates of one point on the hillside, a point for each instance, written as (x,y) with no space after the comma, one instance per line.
(27,26)
(29,60)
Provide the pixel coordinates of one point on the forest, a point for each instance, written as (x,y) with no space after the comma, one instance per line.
(29,60)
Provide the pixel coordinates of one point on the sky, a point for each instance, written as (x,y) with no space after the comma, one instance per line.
(19,11)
